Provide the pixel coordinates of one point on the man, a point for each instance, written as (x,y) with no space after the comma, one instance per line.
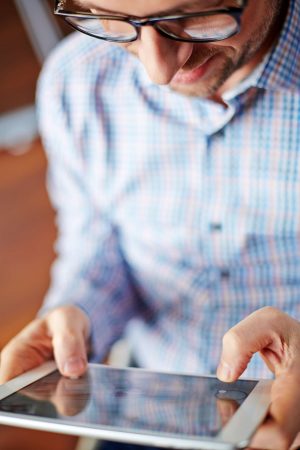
(174,167)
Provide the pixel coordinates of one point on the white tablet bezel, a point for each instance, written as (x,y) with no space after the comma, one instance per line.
(236,433)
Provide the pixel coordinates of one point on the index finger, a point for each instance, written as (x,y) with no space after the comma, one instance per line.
(267,331)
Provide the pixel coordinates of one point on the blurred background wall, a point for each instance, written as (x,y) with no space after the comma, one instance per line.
(28,31)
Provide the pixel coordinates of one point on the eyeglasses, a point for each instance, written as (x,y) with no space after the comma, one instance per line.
(205,26)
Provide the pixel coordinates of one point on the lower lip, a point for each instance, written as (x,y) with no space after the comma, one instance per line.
(190,77)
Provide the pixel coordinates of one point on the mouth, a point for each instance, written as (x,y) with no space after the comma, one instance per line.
(184,76)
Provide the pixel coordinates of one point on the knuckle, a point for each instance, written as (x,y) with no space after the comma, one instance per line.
(274,319)
(59,311)
(270,312)
(68,320)
(67,314)
(232,339)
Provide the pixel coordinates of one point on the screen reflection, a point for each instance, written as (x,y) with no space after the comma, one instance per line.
(134,400)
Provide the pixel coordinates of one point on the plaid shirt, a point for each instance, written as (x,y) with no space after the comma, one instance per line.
(177,217)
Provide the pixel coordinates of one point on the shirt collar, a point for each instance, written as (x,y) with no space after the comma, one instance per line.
(282,69)
(250,81)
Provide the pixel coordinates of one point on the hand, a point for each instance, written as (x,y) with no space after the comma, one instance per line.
(61,334)
(277,337)
(282,425)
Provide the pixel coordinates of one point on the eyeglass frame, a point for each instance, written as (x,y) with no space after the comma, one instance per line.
(138,23)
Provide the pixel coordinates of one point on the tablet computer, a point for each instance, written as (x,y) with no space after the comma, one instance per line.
(137,406)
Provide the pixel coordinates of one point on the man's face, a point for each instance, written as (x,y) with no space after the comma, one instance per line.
(192,68)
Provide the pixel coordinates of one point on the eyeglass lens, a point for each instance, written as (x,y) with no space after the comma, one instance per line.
(108,29)
(217,26)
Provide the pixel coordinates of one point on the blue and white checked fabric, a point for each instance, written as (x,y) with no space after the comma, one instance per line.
(177,217)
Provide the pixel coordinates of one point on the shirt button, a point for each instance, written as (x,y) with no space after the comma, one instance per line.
(225,274)
(215,227)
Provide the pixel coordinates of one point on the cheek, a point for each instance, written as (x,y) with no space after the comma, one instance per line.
(255,25)
(236,46)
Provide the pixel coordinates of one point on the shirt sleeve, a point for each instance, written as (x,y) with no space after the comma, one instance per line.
(89,271)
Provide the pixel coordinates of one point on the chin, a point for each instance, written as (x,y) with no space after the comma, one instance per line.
(196,89)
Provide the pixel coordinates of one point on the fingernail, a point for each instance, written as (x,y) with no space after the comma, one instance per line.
(224,372)
(74,367)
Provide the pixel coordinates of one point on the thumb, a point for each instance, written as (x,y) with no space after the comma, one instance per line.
(69,329)
(262,331)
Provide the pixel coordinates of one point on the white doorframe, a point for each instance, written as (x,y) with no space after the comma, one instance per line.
(42,29)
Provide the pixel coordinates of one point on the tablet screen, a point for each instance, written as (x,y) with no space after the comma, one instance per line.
(133,400)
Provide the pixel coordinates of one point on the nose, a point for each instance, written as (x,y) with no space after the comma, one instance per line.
(161,57)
